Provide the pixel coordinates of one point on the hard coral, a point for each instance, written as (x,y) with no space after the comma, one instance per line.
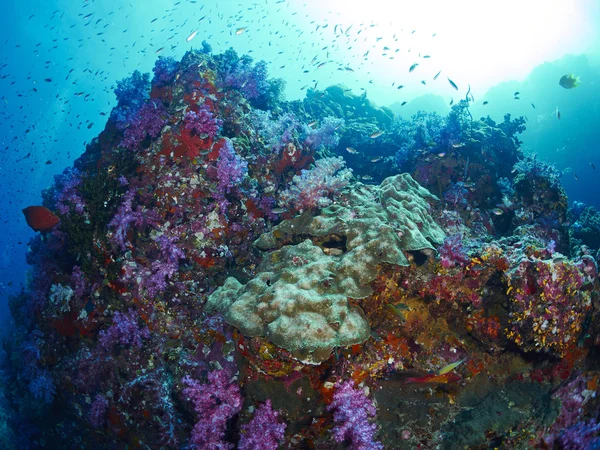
(298,300)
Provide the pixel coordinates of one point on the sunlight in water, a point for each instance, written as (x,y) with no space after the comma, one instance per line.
(476,41)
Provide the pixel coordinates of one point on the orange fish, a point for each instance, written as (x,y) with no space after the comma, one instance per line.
(445,378)
(40,218)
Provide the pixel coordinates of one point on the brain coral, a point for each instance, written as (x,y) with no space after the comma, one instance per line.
(299,299)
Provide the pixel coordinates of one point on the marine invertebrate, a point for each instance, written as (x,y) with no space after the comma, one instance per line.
(98,410)
(149,121)
(325,136)
(215,403)
(351,412)
(131,93)
(203,122)
(547,306)
(298,306)
(164,70)
(299,298)
(124,330)
(316,187)
(240,73)
(231,168)
(263,431)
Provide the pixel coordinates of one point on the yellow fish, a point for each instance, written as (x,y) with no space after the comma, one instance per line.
(569,81)
(450,367)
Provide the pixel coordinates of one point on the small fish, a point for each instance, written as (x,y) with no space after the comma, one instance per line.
(497,211)
(48,162)
(352,150)
(423,82)
(312,124)
(191,36)
(485,103)
(569,81)
(396,311)
(434,378)
(376,159)
(459,145)
(441,154)
(279,210)
(592,166)
(453,84)
(159,50)
(367,178)
(403,103)
(516,93)
(557,113)
(413,67)
(451,102)
(375,336)
(450,367)
(240,31)
(576,177)
(533,105)
(376,134)
(400,87)
(437,75)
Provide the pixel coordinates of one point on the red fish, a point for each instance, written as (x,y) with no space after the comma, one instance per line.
(40,218)
(446,378)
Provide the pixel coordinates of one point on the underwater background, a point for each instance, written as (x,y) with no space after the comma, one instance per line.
(313,224)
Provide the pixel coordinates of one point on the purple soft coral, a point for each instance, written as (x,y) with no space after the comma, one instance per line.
(324,137)
(264,430)
(317,187)
(203,122)
(155,280)
(124,331)
(351,411)
(215,403)
(126,216)
(98,411)
(231,168)
(149,122)
(164,71)
(453,253)
(131,94)
(240,73)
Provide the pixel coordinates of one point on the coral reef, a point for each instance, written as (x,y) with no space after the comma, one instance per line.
(222,268)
